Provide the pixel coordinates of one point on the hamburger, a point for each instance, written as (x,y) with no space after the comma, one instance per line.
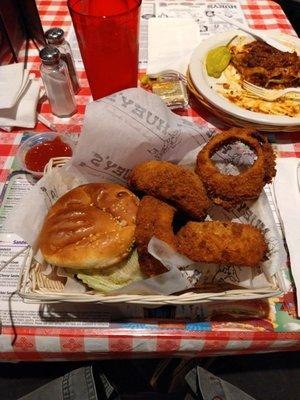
(89,231)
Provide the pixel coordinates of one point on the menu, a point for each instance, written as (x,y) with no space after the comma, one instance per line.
(204,12)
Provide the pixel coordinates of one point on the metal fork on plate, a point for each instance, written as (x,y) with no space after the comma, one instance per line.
(269,94)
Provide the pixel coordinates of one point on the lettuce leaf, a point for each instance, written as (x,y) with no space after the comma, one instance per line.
(114,277)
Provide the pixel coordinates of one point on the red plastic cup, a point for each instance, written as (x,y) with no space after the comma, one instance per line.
(108,35)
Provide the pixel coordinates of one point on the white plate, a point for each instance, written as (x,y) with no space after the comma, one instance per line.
(204,83)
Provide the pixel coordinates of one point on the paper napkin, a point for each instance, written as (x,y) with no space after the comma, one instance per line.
(286,188)
(23,113)
(13,79)
(171,42)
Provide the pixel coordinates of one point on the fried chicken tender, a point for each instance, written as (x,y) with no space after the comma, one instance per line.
(222,242)
(154,218)
(231,190)
(173,183)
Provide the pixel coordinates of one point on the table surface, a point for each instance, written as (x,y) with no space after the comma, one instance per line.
(165,331)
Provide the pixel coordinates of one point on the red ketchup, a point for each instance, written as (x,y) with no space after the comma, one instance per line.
(38,156)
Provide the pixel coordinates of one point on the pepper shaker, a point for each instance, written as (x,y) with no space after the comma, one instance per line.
(57,82)
(55,38)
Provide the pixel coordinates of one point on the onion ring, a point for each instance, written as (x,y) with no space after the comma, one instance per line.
(231,190)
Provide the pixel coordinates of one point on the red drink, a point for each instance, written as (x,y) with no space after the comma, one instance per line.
(107,32)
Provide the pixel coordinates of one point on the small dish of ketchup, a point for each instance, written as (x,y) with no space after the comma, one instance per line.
(36,151)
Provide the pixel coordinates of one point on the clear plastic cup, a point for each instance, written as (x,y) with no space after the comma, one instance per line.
(35,140)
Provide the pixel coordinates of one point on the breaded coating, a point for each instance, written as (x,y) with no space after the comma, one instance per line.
(173,183)
(154,218)
(230,190)
(222,242)
(269,156)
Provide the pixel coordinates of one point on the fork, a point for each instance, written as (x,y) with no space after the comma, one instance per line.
(256,34)
(269,94)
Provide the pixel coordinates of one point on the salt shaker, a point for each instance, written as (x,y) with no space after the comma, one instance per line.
(55,38)
(57,82)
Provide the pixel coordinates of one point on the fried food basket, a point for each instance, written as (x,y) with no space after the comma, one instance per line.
(36,286)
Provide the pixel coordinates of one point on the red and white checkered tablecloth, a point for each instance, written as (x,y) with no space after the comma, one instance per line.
(154,337)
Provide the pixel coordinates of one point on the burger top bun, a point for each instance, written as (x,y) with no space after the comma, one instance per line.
(91,226)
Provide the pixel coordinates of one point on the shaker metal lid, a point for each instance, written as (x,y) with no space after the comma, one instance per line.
(49,55)
(54,36)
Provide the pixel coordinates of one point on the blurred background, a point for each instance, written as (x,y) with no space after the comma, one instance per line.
(292,10)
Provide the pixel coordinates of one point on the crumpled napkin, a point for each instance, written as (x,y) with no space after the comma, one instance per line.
(171,42)
(286,193)
(23,112)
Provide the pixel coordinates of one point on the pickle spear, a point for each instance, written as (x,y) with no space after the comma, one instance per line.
(218,59)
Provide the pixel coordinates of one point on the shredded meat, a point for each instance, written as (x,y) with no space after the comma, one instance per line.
(265,66)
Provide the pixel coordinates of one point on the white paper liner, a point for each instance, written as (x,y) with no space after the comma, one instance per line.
(170,282)
(132,126)
(72,285)
(166,255)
